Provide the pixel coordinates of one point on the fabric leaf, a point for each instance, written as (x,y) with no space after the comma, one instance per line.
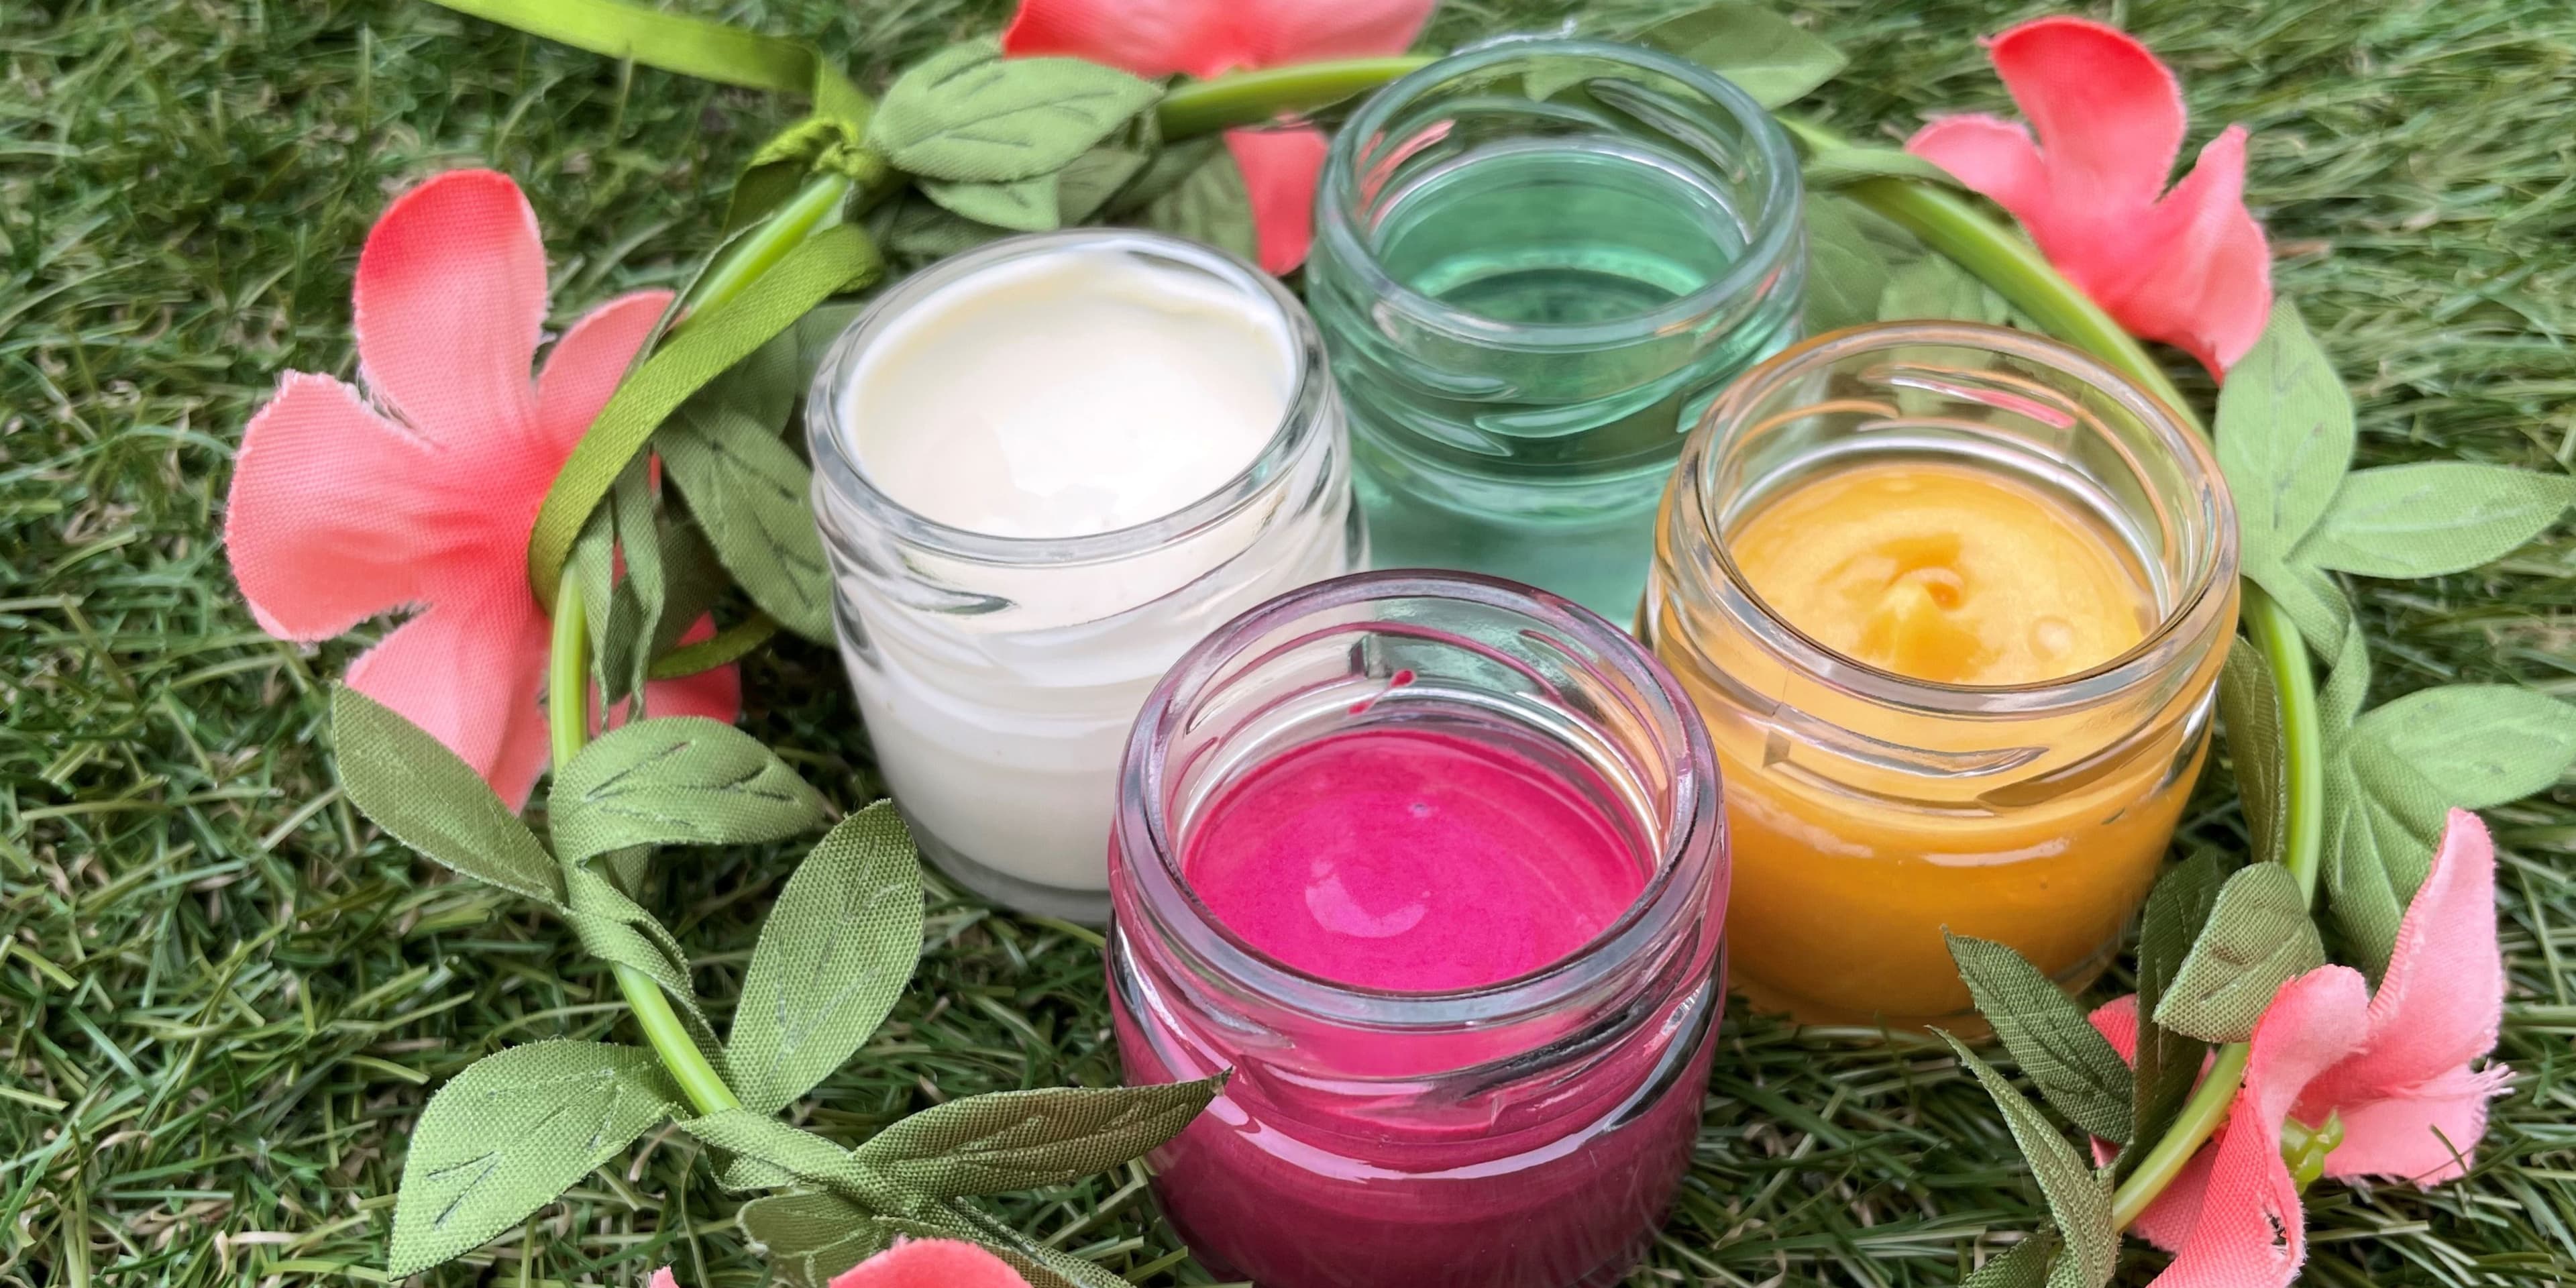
(2365,902)
(2073,1065)
(1210,205)
(809,1236)
(832,958)
(1017,1140)
(1022,205)
(795,1152)
(423,795)
(2078,1197)
(967,114)
(1088,182)
(2285,437)
(639,539)
(749,491)
(1766,55)
(1934,286)
(681,780)
(2258,938)
(2025,1265)
(617,930)
(2168,1062)
(2314,601)
(1846,273)
(513,1132)
(2436,517)
(2249,703)
(2475,745)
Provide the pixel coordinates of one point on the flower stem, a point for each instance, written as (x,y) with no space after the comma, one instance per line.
(783,230)
(1251,98)
(2016,270)
(2199,1118)
(568,724)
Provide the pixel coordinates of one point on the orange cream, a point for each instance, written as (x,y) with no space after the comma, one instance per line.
(1953,682)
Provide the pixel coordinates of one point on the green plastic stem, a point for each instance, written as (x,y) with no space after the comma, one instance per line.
(1252,98)
(568,722)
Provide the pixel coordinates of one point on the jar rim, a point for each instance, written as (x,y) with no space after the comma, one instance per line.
(1674,892)
(1306,414)
(1777,226)
(2197,608)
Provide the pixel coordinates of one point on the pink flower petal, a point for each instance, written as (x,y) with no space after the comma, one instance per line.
(470,671)
(2206,284)
(2117,1021)
(450,295)
(931,1263)
(1278,32)
(2438,1008)
(2251,1232)
(663,1278)
(2109,115)
(584,367)
(1279,168)
(1149,38)
(329,520)
(2425,1136)
(1990,156)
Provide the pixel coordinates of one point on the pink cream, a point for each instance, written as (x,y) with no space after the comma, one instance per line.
(1413,861)
(1410,861)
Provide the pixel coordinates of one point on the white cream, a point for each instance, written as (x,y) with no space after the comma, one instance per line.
(1074,394)
(1059,392)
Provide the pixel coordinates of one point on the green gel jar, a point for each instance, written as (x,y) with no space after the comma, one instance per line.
(1535,264)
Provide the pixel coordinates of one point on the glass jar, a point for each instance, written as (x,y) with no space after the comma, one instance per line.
(1868,811)
(998,676)
(1524,1134)
(1534,262)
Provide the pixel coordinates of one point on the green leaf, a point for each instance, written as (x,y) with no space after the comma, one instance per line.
(2310,595)
(513,1132)
(1018,1140)
(1936,287)
(1208,205)
(810,1236)
(1022,205)
(924,229)
(967,114)
(749,491)
(2475,745)
(2433,518)
(693,580)
(2025,1265)
(2168,1062)
(1833,168)
(2258,938)
(678,780)
(795,1153)
(2347,685)
(2070,1062)
(639,539)
(2284,437)
(1164,171)
(2078,1197)
(617,930)
(1090,180)
(608,598)
(2249,703)
(832,958)
(2365,901)
(1774,60)
(424,796)
(1847,274)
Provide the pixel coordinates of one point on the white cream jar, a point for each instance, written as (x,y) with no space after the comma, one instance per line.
(1043,469)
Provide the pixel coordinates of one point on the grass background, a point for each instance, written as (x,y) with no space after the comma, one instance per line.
(223,997)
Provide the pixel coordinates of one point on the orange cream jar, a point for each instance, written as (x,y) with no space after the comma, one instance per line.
(1953,600)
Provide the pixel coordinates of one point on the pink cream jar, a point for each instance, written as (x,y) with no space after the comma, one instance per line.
(1434,865)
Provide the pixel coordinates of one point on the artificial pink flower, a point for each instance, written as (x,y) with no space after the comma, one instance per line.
(1204,38)
(2188,266)
(912,1263)
(2394,1065)
(420,491)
